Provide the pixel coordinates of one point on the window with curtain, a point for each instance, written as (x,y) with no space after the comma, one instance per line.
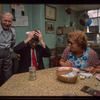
(94,15)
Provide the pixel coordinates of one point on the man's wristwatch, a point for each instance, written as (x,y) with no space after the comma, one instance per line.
(42,43)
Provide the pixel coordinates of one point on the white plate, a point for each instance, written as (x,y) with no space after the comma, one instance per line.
(64,68)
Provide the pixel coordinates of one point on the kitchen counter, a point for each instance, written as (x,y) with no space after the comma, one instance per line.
(46,84)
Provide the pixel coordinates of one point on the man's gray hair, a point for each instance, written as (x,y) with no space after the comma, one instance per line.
(5,13)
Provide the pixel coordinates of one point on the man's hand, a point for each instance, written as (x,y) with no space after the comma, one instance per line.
(18,56)
(38,33)
(30,35)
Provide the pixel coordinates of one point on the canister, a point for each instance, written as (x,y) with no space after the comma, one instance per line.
(32,73)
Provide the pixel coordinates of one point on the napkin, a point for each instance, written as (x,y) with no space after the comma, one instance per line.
(87,75)
(71,74)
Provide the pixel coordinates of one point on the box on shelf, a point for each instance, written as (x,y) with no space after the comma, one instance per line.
(60,30)
(67,30)
(64,30)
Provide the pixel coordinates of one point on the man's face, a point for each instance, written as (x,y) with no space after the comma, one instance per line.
(6,22)
(33,44)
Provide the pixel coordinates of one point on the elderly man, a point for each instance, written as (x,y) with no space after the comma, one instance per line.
(7,41)
(31,53)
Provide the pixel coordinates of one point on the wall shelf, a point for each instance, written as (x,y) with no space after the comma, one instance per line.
(61,40)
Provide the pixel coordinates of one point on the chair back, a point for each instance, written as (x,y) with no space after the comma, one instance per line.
(54,59)
(53,53)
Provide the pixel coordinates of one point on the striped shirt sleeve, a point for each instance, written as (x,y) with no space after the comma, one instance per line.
(93,59)
(66,53)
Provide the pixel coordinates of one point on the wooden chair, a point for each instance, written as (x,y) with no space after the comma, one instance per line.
(54,59)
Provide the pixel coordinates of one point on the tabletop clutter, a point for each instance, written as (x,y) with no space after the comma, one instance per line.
(70,74)
(45,83)
(66,74)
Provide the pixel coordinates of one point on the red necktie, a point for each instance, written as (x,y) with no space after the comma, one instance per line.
(34,60)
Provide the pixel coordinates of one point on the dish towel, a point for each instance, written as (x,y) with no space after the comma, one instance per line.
(34,60)
(87,75)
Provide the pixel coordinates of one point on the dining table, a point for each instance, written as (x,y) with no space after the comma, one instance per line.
(46,84)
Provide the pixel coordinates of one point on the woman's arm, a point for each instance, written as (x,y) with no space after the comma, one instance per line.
(65,63)
(62,62)
(93,70)
(93,61)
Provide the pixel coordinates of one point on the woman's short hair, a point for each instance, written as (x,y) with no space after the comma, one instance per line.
(79,37)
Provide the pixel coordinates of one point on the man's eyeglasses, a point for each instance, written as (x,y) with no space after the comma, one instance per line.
(69,42)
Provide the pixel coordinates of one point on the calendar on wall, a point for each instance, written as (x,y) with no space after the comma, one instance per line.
(18,12)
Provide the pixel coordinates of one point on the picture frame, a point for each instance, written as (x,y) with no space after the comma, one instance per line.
(49,27)
(50,12)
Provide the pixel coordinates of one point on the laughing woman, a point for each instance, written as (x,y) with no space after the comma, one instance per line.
(78,54)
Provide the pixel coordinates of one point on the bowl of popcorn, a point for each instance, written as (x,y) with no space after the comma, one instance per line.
(67,74)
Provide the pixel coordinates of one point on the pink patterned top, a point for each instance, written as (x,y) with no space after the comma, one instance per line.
(93,59)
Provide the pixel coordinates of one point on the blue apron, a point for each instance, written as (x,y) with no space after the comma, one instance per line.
(80,62)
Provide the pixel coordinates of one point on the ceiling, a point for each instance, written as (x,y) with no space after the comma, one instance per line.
(80,7)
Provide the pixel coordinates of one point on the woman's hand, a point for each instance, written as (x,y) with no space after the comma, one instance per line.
(90,70)
(65,63)
(68,64)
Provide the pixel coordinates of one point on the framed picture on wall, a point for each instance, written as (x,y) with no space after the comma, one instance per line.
(49,27)
(50,12)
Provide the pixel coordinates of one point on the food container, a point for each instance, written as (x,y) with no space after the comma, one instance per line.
(32,73)
(61,71)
